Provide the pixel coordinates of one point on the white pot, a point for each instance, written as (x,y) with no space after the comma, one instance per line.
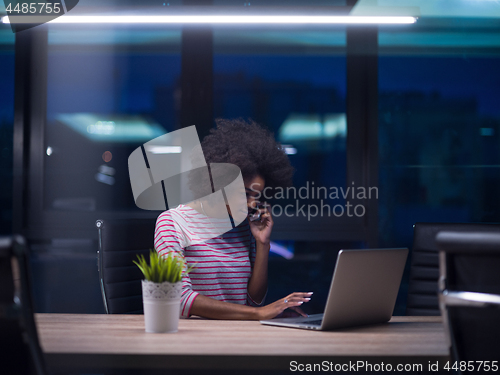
(161,303)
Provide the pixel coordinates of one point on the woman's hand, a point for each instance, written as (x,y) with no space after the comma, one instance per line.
(292,301)
(261,229)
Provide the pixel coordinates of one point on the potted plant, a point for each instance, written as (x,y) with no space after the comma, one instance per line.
(161,290)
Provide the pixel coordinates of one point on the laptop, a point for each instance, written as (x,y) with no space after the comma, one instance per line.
(363,291)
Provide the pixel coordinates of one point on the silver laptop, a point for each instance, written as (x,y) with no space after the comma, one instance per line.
(363,291)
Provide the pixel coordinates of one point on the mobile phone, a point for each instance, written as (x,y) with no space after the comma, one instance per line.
(254,214)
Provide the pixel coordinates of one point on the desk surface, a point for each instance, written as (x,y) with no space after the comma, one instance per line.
(106,340)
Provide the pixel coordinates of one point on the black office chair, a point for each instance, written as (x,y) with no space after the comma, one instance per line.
(19,346)
(470,294)
(424,265)
(119,243)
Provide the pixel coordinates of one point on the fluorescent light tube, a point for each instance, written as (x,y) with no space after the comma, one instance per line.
(223,19)
(164,149)
(289,150)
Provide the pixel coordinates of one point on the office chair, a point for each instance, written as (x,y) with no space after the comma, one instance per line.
(470,294)
(19,345)
(119,243)
(424,264)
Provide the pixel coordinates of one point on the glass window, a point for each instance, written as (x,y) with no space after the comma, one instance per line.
(439,134)
(295,84)
(109,91)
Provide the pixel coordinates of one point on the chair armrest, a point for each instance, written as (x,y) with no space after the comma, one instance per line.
(472,299)
(469,242)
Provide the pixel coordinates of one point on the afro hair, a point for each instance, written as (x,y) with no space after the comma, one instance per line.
(252,148)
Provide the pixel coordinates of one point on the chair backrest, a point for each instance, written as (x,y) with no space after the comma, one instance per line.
(120,241)
(19,344)
(470,295)
(424,264)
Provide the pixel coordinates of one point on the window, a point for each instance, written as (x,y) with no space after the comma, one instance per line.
(439,124)
(294,83)
(109,91)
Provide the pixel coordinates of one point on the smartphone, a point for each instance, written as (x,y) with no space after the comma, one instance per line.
(254,214)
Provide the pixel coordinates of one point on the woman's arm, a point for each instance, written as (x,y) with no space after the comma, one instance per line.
(169,238)
(261,230)
(257,284)
(211,308)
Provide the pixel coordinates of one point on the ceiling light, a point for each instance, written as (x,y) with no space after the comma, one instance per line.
(289,149)
(164,149)
(223,19)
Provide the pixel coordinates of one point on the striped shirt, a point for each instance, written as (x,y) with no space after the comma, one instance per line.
(222,265)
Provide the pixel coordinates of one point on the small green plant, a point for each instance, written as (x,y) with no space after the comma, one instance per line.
(162,269)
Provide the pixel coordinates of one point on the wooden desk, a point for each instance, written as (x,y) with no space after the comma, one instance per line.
(105,341)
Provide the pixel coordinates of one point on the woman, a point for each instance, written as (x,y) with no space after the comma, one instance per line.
(229,280)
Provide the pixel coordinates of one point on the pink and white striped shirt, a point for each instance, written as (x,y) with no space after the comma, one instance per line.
(222,265)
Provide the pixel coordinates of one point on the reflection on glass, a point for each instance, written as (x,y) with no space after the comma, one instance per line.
(110,89)
(438,142)
(300,97)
